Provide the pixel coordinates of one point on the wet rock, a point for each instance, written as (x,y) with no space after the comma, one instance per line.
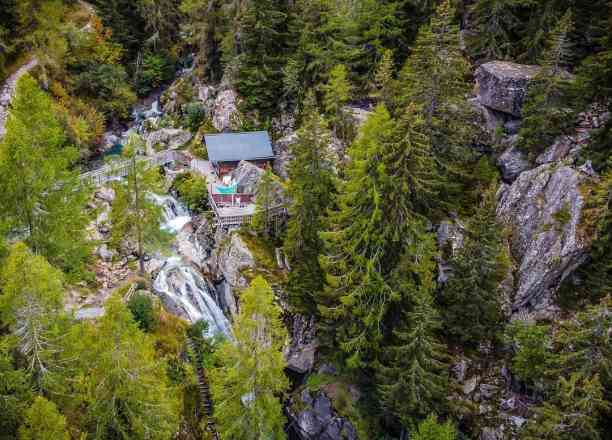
(502,85)
(300,353)
(512,163)
(318,420)
(225,111)
(167,138)
(543,210)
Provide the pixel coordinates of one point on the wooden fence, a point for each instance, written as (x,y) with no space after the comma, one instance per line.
(122,168)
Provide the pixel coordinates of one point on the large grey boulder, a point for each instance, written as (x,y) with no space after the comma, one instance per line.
(247,176)
(225,110)
(502,85)
(232,258)
(167,139)
(317,419)
(512,162)
(543,209)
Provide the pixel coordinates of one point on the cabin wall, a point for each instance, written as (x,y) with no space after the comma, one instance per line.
(224,168)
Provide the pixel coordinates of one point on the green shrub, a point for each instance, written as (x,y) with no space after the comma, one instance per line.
(141,307)
(157,68)
(192,190)
(194,115)
(532,356)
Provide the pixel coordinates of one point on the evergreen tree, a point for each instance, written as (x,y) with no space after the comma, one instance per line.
(41,199)
(32,301)
(134,215)
(116,381)
(434,79)
(43,422)
(15,392)
(310,189)
(385,85)
(547,112)
(492,29)
(470,301)
(337,94)
(128,25)
(249,382)
(262,220)
(413,375)
(430,429)
(573,414)
(261,47)
(368,233)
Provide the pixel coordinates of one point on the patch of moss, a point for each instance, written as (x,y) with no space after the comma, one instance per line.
(264,254)
(563,216)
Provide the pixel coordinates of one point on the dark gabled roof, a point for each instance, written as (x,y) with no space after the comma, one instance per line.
(230,147)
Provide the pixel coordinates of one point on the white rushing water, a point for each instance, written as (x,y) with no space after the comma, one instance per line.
(181,284)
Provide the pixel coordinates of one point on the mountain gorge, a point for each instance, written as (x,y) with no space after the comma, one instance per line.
(425,254)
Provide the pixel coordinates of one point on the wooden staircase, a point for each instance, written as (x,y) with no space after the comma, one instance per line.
(204,391)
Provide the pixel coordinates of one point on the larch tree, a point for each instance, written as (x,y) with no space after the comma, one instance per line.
(134,215)
(310,188)
(31,303)
(116,379)
(547,112)
(249,382)
(43,421)
(41,198)
(412,376)
(15,391)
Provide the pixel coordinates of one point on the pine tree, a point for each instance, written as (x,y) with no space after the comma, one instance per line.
(43,422)
(470,301)
(385,85)
(311,187)
(116,380)
(134,215)
(41,199)
(434,79)
(261,47)
(430,429)
(413,374)
(492,29)
(367,235)
(31,303)
(572,414)
(337,93)
(264,202)
(249,382)
(547,112)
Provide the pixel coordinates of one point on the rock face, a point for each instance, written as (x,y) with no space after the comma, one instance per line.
(543,210)
(167,138)
(300,354)
(225,110)
(282,154)
(247,176)
(512,163)
(318,420)
(502,85)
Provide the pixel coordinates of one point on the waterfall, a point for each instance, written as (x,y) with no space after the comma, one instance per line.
(180,284)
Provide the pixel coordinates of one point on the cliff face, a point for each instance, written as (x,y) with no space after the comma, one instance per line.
(541,201)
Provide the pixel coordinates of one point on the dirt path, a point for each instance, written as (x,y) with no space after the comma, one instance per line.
(8,91)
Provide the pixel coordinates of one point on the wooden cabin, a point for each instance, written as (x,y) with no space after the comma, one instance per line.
(226,150)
